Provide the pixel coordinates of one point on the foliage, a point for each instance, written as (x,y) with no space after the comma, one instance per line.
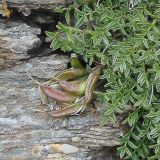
(127,42)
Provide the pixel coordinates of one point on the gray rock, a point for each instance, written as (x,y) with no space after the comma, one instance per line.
(76,139)
(27,132)
(68,149)
(2,27)
(36,4)
(15,41)
(56,155)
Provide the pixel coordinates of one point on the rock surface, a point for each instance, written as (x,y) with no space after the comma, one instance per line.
(16,39)
(36,4)
(27,132)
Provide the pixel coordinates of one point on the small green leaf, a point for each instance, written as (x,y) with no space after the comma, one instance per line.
(67,16)
(141,153)
(51,34)
(141,78)
(59,9)
(158,52)
(79,13)
(55,44)
(121,151)
(145,43)
(155,157)
(150,37)
(80,22)
(87,9)
(113,23)
(62,27)
(128,151)
(132,145)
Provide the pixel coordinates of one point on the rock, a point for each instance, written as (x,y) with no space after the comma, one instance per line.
(36,4)
(57,155)
(27,132)
(15,41)
(76,139)
(38,151)
(64,148)
(68,149)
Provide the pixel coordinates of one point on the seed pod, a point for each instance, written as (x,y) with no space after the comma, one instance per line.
(91,82)
(69,74)
(58,95)
(73,87)
(75,63)
(69,110)
(53,93)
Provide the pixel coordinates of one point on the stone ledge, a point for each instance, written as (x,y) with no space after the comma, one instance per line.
(26,132)
(16,39)
(36,4)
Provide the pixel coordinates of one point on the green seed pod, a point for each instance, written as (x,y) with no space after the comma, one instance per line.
(70,74)
(91,83)
(75,63)
(77,88)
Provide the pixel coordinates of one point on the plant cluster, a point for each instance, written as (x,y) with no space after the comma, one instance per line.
(72,88)
(127,42)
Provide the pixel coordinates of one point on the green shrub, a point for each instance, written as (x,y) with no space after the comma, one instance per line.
(127,42)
